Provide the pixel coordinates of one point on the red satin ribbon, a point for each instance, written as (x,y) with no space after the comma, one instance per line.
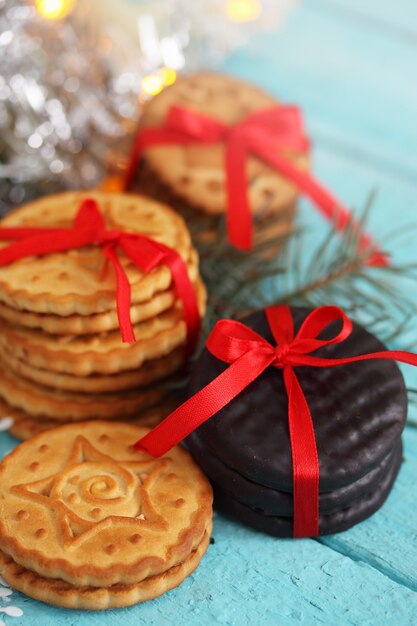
(266,134)
(89,228)
(249,355)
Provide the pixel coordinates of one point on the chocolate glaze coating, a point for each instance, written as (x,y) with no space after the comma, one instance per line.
(274,502)
(358,410)
(335,522)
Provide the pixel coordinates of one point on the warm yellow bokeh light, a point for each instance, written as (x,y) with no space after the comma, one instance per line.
(54,9)
(112,184)
(243,10)
(167,75)
(154,83)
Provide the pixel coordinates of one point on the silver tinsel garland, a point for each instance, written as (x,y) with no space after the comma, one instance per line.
(71,88)
(65,106)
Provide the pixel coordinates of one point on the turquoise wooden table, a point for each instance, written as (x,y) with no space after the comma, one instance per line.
(352,65)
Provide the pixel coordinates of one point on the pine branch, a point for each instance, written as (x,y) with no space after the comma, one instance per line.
(337,271)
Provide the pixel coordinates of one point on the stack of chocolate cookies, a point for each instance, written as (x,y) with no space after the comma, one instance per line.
(358,412)
(61,350)
(191,177)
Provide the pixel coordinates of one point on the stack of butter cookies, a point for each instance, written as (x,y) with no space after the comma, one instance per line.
(192,177)
(88,522)
(61,352)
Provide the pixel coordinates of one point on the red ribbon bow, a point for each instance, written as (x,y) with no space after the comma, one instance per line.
(266,134)
(249,355)
(89,228)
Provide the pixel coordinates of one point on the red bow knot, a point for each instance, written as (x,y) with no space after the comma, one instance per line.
(281,353)
(90,229)
(249,355)
(267,134)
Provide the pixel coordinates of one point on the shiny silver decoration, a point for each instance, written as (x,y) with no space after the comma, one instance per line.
(71,88)
(69,100)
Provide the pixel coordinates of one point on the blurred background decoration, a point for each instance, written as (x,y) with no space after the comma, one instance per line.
(74,75)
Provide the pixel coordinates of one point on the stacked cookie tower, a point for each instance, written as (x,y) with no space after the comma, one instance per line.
(192,177)
(62,356)
(88,522)
(358,413)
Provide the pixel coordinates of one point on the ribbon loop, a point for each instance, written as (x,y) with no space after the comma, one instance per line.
(229,340)
(319,319)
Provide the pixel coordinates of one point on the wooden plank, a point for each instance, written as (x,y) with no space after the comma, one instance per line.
(355,85)
(386,541)
(7,442)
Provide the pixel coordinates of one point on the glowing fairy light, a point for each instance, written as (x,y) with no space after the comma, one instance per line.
(154,83)
(54,9)
(243,10)
(167,75)
(111,184)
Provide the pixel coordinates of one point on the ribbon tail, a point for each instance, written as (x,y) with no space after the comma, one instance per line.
(327,204)
(123,295)
(144,252)
(304,458)
(204,404)
(239,214)
(187,294)
(151,254)
(408,358)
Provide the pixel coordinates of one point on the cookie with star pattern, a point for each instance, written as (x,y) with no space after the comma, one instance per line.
(81,506)
(62,594)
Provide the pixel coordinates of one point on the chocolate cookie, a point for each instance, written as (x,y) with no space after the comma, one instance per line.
(335,522)
(358,411)
(275,502)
